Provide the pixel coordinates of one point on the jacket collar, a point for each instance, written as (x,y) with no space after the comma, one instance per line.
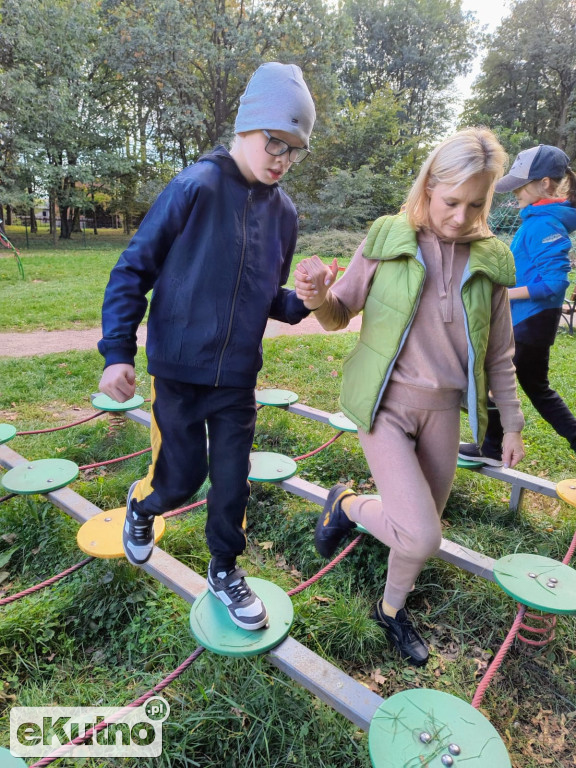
(222,157)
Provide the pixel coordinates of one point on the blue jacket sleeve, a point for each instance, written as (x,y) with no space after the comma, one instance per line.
(286,306)
(548,249)
(134,275)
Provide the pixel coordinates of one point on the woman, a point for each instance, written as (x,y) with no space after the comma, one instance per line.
(432,284)
(545,187)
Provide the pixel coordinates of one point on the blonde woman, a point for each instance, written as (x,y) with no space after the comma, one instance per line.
(436,332)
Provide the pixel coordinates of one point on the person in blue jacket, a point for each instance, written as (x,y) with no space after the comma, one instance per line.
(215,248)
(545,188)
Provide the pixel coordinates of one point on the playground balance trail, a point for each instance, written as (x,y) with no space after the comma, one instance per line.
(49,342)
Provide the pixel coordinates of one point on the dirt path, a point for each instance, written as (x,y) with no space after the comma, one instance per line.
(48,342)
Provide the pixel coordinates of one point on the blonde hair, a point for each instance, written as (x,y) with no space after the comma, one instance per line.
(454,161)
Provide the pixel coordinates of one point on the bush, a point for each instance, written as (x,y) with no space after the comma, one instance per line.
(330,243)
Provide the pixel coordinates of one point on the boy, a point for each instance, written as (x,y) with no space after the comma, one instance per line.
(216,247)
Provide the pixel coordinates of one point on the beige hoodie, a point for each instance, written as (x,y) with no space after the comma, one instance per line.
(435,355)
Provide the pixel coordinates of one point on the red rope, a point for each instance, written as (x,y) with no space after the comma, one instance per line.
(64,426)
(499,658)
(113,461)
(571,550)
(321,448)
(47,583)
(327,568)
(179,511)
(117,715)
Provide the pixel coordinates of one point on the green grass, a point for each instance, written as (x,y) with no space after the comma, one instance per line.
(109,632)
(64,286)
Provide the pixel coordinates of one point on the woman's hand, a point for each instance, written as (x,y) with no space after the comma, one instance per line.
(312,279)
(512,449)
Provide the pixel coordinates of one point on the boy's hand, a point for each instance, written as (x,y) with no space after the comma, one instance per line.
(119,382)
(312,279)
(512,449)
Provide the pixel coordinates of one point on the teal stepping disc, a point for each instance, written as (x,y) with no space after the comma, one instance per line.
(465,464)
(212,626)
(538,582)
(7,432)
(105,403)
(342,422)
(281,398)
(40,476)
(271,467)
(7,760)
(422,727)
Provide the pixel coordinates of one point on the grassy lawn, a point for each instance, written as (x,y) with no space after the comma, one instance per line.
(64,286)
(109,633)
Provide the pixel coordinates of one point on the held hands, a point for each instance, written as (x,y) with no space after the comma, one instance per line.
(512,449)
(312,279)
(118,382)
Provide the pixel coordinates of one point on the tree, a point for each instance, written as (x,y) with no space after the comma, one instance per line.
(416,48)
(55,116)
(528,79)
(185,63)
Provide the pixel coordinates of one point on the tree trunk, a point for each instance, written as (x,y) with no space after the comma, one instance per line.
(94,224)
(64,223)
(2,219)
(76,225)
(8,215)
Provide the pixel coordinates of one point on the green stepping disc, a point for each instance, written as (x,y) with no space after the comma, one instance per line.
(423,727)
(340,421)
(281,398)
(212,626)
(7,432)
(271,467)
(40,476)
(7,760)
(465,464)
(105,403)
(538,582)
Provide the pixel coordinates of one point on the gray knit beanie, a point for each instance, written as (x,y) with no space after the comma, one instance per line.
(277,99)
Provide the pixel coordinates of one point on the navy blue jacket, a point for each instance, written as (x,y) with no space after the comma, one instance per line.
(216,251)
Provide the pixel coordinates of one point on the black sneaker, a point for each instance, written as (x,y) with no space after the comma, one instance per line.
(333,524)
(401,633)
(138,533)
(244,606)
(473,452)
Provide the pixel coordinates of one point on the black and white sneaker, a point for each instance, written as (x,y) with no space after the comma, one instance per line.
(473,452)
(244,606)
(138,533)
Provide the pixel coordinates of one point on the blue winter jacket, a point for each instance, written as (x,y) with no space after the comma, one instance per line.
(216,251)
(540,249)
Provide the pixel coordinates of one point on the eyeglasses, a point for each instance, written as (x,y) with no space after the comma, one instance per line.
(278,147)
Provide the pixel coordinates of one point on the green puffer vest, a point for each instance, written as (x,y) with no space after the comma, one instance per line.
(390,308)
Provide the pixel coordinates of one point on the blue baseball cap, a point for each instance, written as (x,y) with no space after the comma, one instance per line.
(534,163)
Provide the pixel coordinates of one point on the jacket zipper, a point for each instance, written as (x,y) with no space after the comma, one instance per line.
(236,288)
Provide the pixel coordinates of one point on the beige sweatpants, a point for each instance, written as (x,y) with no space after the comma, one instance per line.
(412,452)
